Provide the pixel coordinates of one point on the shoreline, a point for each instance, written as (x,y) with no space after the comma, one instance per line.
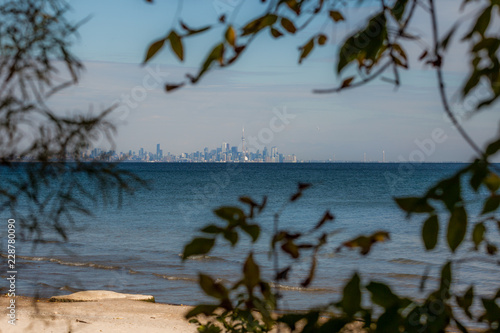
(110,315)
(114,315)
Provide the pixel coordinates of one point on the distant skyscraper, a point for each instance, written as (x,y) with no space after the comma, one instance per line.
(243,141)
(158,152)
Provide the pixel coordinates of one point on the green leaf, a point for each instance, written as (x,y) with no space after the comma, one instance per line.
(176,44)
(492,181)
(251,272)
(212,229)
(366,45)
(233,215)
(258,24)
(414,205)
(430,232)
(446,280)
(465,302)
(388,321)
(306,49)
(153,49)
(253,230)
(198,246)
(288,25)
(457,227)
(491,204)
(212,288)
(336,16)
(231,236)
(351,300)
(399,9)
(382,295)
(482,23)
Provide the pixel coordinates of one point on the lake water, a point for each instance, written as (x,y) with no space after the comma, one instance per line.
(136,248)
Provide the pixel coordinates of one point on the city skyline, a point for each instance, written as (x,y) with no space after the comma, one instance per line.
(248,92)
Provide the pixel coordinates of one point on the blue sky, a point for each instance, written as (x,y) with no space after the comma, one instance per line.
(368,120)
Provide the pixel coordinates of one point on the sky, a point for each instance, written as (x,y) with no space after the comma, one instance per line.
(266,92)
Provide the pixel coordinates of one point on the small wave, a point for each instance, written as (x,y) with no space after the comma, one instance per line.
(205,258)
(296,288)
(408,261)
(70,263)
(70,289)
(175,278)
(409,276)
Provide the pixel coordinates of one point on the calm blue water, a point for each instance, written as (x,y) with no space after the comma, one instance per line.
(136,248)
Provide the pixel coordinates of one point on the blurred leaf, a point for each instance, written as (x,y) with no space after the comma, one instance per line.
(283,275)
(482,23)
(153,49)
(347,82)
(492,311)
(171,87)
(364,45)
(457,227)
(399,9)
(326,217)
(414,205)
(232,215)
(291,248)
(492,181)
(248,201)
(288,25)
(446,280)
(478,234)
(231,236)
(430,232)
(365,242)
(388,321)
(276,33)
(212,288)
(251,272)
(310,277)
(333,325)
(192,31)
(336,16)
(231,36)
(479,173)
(382,295)
(212,229)
(258,24)
(304,186)
(306,49)
(322,39)
(198,246)
(465,302)
(176,44)
(446,40)
(253,230)
(491,249)
(351,300)
(491,204)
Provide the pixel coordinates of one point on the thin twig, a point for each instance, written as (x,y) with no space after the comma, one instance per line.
(438,63)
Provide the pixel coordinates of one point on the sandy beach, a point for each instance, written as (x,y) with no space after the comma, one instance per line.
(107,316)
(101,316)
